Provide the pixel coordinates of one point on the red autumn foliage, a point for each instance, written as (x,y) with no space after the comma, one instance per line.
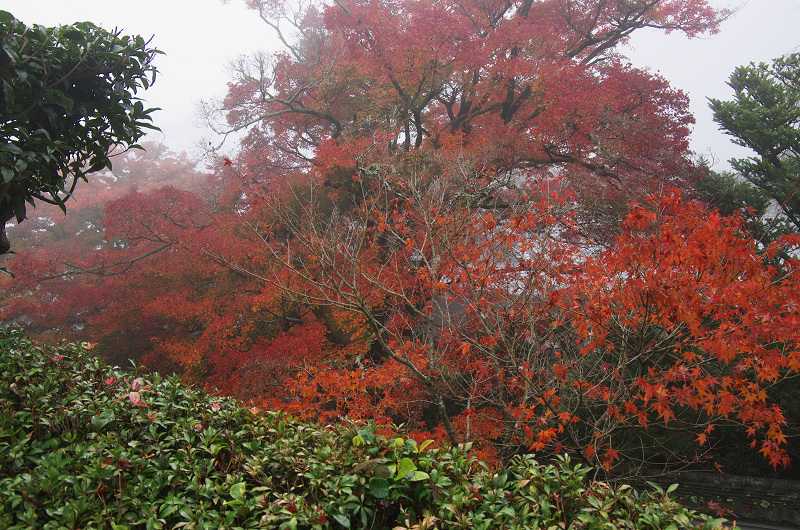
(448,216)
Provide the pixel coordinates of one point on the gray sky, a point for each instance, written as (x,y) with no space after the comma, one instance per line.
(759,31)
(201,36)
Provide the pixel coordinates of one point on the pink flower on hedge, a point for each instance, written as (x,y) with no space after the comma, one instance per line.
(136,399)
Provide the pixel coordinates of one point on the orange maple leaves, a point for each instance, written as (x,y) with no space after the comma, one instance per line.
(702,311)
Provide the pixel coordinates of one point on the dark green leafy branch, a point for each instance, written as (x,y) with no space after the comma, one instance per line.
(67,101)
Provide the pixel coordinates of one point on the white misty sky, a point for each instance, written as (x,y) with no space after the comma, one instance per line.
(759,31)
(201,36)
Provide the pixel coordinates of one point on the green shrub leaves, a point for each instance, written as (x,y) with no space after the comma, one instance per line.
(78,450)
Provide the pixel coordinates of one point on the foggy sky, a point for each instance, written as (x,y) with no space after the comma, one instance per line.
(200,37)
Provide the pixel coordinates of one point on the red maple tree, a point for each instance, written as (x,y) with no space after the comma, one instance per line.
(458,216)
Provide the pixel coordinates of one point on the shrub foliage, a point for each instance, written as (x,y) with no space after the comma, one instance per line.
(83,445)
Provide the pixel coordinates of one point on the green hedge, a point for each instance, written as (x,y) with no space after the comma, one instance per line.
(83,445)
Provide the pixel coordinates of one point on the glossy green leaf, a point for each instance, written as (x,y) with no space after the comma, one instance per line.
(379,487)
(406,469)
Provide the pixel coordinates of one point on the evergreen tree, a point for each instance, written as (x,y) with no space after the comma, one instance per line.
(765,117)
